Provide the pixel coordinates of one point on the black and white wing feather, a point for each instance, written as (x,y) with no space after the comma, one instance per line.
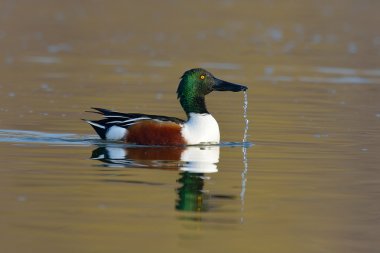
(124,120)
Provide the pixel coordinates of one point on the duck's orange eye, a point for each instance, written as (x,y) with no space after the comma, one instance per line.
(202,77)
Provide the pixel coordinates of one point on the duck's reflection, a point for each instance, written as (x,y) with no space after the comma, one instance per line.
(194,163)
(191,196)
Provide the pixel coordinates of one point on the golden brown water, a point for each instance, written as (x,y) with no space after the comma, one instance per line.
(310,182)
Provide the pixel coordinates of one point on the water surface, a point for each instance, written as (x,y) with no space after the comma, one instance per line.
(304,179)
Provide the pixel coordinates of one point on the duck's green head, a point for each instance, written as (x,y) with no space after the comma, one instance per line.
(195,84)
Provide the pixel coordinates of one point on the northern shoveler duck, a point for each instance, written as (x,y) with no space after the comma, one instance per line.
(195,159)
(145,129)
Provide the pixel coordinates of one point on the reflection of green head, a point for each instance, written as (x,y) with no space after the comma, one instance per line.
(190,195)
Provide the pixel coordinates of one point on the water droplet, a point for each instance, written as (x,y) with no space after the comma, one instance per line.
(245,158)
(245,107)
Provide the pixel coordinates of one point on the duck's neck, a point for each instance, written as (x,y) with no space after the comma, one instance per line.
(195,104)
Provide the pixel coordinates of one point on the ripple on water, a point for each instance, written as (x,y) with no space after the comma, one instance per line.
(322,74)
(43,59)
(220,65)
(23,136)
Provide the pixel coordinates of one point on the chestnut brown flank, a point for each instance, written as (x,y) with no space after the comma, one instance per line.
(150,132)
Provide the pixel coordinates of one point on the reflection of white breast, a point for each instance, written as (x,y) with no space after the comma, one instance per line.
(200,159)
(201,128)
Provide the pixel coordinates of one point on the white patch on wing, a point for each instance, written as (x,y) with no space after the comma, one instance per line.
(128,122)
(116,133)
(98,157)
(95,124)
(201,128)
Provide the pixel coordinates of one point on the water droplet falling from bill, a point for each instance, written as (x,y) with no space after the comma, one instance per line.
(245,159)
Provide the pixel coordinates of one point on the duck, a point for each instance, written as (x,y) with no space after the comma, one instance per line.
(146,129)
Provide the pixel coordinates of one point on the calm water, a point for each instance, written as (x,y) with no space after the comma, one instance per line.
(306,180)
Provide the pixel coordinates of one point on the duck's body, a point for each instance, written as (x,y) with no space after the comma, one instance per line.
(145,129)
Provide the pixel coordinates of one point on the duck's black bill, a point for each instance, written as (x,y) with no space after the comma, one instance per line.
(221,85)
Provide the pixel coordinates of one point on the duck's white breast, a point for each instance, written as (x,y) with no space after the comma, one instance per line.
(201,128)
